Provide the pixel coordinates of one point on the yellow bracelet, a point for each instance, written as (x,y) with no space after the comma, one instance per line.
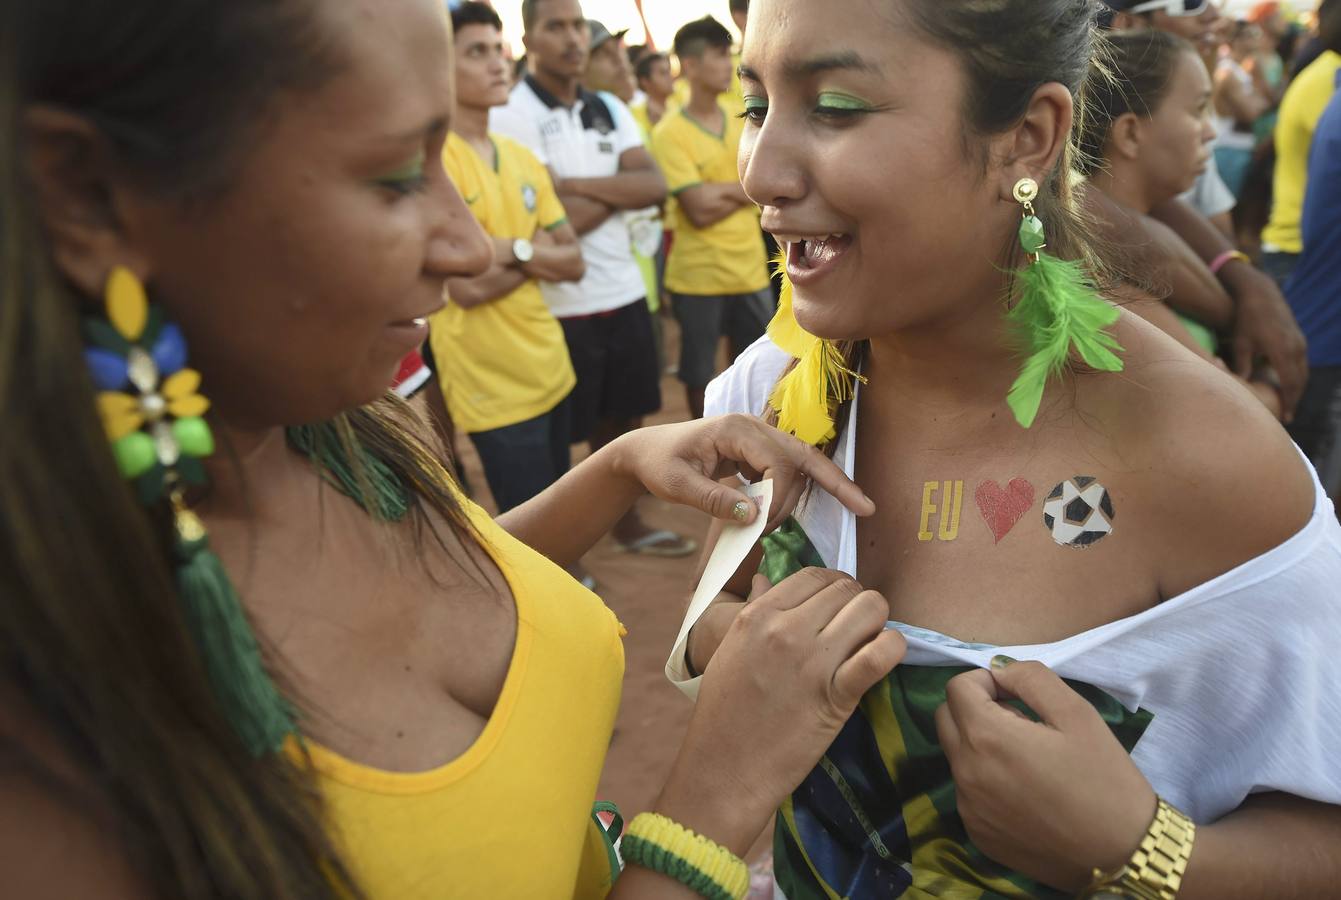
(657,843)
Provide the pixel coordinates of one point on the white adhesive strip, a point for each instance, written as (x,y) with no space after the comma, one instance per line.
(734,544)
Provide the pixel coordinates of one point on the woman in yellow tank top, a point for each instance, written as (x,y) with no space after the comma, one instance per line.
(306,666)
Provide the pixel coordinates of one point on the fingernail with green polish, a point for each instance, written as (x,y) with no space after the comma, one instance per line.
(1000,661)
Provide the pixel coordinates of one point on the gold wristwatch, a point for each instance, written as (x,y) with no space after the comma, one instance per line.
(1155,871)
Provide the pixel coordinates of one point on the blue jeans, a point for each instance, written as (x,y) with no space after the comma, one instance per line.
(1280,266)
(522,460)
(1317,425)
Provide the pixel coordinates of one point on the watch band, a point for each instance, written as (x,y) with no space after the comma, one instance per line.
(1155,871)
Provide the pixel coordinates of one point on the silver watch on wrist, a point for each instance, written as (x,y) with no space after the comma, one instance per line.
(523,250)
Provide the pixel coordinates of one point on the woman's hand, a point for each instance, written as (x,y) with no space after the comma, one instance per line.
(789,673)
(678,463)
(1052,799)
(710,630)
(681,463)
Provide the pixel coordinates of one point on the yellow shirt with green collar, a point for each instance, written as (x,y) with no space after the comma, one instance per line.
(502,362)
(728,256)
(1300,110)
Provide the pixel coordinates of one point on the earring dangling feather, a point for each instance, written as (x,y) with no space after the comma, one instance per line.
(1056,312)
(805,398)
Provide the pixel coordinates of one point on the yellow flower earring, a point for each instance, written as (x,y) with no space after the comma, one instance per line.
(152,412)
(148,399)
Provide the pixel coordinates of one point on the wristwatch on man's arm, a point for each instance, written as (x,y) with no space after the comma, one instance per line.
(523,251)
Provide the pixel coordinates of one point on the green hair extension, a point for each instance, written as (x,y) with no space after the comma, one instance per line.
(389,500)
(258,712)
(1057,311)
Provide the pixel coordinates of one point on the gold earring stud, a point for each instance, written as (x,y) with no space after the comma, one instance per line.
(1026,191)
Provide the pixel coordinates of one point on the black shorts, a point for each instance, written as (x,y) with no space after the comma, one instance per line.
(615,359)
(741,318)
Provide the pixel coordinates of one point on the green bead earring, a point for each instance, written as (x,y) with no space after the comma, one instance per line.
(1032,237)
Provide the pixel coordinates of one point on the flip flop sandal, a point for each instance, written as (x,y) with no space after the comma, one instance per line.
(662,543)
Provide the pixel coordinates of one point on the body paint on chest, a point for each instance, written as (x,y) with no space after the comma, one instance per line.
(1002,508)
(1079,512)
(952,503)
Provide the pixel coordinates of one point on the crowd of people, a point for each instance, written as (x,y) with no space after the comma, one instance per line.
(1084,257)
(643,171)
(1213,196)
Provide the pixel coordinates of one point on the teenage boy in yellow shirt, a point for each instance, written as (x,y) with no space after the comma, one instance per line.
(717,273)
(505,369)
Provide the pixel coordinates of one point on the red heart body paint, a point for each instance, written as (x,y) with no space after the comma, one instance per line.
(1002,507)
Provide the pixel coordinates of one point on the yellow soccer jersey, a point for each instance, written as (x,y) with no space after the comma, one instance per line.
(502,362)
(727,257)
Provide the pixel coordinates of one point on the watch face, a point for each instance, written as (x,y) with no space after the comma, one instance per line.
(521,248)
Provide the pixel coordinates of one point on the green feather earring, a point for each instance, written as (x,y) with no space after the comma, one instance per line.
(1056,311)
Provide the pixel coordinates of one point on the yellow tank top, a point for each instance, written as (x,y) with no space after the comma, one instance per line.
(512,816)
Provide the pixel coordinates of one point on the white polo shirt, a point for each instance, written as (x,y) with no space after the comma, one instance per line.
(584,141)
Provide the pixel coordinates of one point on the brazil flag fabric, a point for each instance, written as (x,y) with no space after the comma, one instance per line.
(877,816)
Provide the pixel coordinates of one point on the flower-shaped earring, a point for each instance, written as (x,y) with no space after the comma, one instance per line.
(151,410)
(148,399)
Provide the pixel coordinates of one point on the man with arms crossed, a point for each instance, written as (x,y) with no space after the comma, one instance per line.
(601,169)
(717,273)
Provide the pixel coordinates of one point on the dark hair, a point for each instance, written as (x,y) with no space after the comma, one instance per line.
(474,13)
(643,69)
(1141,64)
(1242,27)
(177,102)
(1008,49)
(1329,24)
(530,10)
(93,637)
(692,39)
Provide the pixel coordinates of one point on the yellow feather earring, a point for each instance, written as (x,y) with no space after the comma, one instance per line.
(807,397)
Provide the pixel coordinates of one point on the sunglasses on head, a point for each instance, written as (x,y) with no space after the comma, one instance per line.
(1172,7)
